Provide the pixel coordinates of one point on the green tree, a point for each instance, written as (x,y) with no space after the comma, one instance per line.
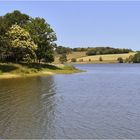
(100,59)
(63,58)
(44,36)
(15,17)
(120,60)
(136,58)
(21,43)
(61,50)
(6,21)
(4,48)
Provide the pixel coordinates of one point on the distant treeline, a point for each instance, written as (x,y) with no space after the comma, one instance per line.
(92,51)
(106,50)
(63,50)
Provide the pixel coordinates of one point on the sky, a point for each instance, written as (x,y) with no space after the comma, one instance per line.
(86,23)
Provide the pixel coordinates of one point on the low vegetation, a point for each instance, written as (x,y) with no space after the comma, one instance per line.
(120,60)
(108,58)
(34,69)
(63,58)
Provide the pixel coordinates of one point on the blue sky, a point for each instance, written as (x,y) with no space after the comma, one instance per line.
(86,24)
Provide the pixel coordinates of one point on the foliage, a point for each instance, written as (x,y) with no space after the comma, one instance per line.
(63,58)
(79,49)
(136,58)
(22,45)
(129,59)
(100,59)
(106,50)
(16,17)
(62,50)
(120,60)
(43,36)
(33,37)
(4,48)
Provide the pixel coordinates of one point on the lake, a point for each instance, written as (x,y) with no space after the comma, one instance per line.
(103,102)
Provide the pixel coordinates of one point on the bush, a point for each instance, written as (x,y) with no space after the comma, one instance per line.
(130,59)
(120,60)
(63,58)
(73,60)
(0,72)
(100,59)
(136,58)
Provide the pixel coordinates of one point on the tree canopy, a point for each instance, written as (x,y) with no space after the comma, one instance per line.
(106,50)
(21,43)
(23,36)
(43,35)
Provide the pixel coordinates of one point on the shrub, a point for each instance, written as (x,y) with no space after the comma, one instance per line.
(136,58)
(129,59)
(63,58)
(100,59)
(120,60)
(0,72)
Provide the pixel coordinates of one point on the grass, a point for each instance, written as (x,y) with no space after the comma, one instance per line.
(70,56)
(82,58)
(110,58)
(23,69)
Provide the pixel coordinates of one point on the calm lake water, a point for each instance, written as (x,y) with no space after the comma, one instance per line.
(103,102)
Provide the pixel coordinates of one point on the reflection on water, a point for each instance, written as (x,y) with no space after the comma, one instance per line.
(27,107)
(103,102)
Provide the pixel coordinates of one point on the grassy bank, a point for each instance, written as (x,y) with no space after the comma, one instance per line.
(22,70)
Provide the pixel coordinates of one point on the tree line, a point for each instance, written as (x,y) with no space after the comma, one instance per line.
(106,50)
(23,38)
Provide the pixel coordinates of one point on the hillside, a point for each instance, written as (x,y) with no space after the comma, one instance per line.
(70,56)
(82,58)
(109,58)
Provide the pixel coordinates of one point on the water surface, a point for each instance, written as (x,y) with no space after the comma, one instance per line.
(103,102)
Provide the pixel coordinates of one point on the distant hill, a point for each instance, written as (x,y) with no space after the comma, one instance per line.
(99,54)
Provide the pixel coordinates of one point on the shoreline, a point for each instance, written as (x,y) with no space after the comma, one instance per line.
(22,71)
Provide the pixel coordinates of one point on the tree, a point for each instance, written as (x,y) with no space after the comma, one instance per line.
(100,59)
(4,48)
(136,58)
(6,21)
(21,43)
(63,58)
(44,36)
(16,17)
(62,50)
(120,60)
